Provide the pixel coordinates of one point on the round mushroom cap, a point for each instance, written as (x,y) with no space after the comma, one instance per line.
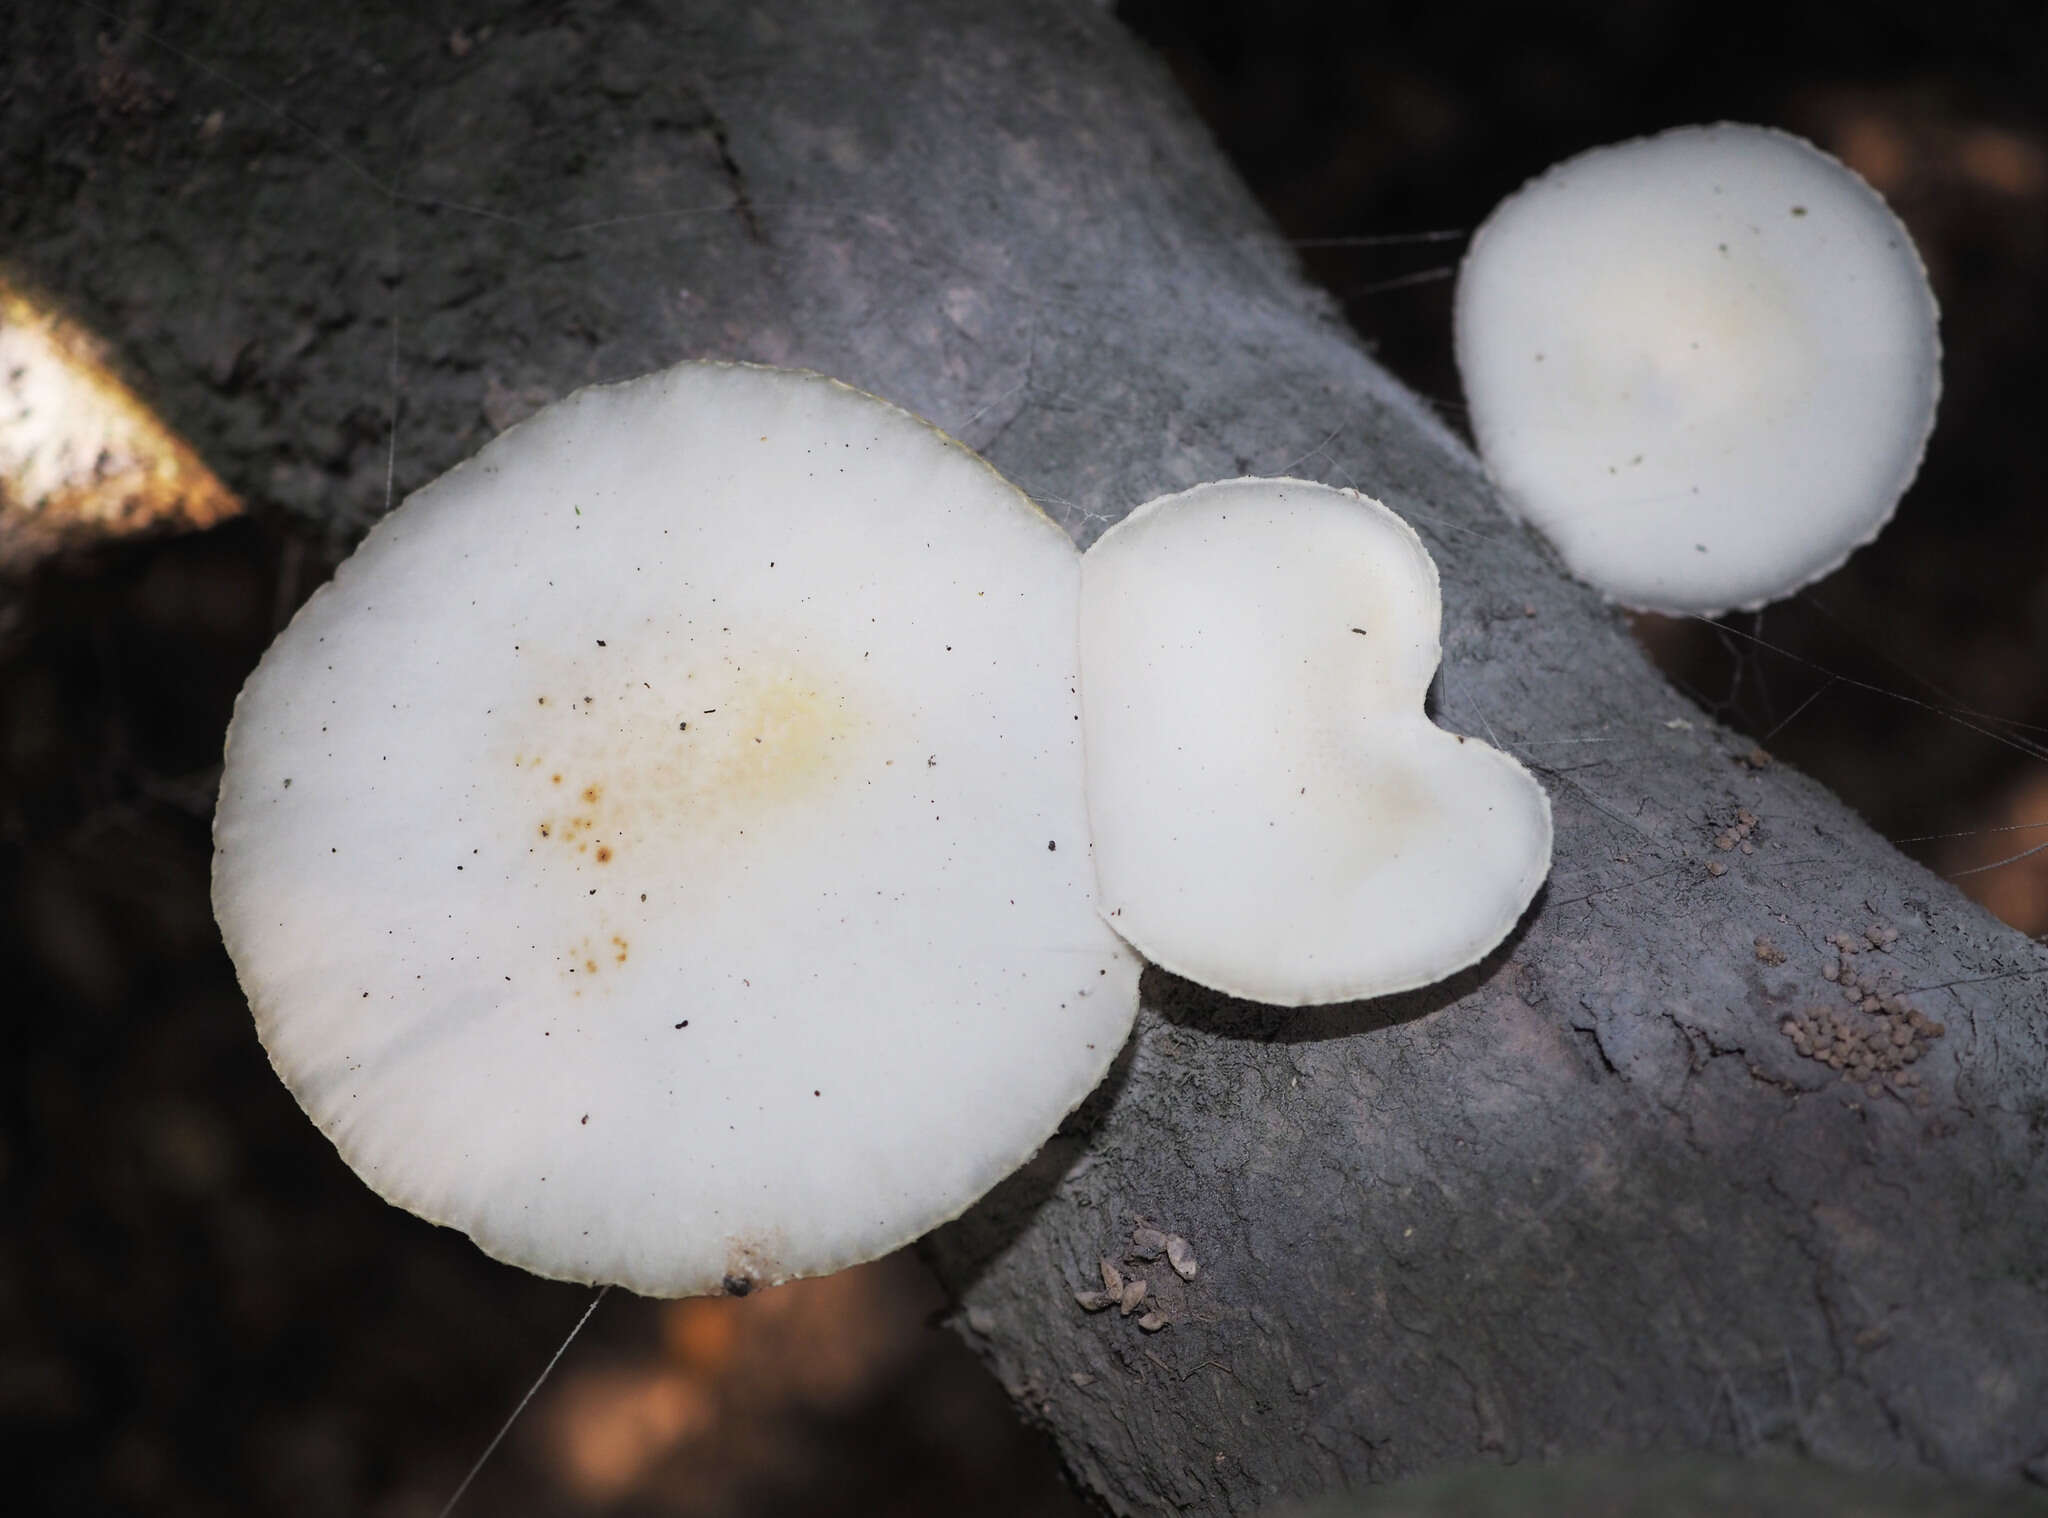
(1274,815)
(661,852)
(1704,364)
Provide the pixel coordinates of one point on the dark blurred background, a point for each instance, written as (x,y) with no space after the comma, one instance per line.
(201,1310)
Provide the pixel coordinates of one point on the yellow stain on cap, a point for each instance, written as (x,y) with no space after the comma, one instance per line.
(676,783)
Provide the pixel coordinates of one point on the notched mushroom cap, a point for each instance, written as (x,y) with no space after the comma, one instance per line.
(636,857)
(1703,364)
(1274,816)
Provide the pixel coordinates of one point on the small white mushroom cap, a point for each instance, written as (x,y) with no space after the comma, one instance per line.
(1274,815)
(1703,364)
(661,853)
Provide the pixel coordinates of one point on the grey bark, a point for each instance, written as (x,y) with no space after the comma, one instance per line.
(1586,1197)
(1678,1486)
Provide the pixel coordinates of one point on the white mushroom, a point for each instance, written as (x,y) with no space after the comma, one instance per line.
(1273,813)
(1704,364)
(661,852)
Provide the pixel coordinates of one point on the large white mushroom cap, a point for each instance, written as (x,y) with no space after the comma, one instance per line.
(1274,815)
(1704,364)
(661,853)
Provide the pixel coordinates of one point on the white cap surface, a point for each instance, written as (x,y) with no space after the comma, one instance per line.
(1704,364)
(1274,815)
(661,853)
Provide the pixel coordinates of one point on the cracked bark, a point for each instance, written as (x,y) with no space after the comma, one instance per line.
(1523,1213)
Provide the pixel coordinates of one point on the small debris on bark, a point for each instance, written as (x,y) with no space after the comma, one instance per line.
(1768,952)
(1737,836)
(1152,1322)
(1877,1035)
(1082,1379)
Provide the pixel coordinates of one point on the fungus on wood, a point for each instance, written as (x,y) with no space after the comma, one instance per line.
(1588,1196)
(1703,364)
(580,854)
(1274,815)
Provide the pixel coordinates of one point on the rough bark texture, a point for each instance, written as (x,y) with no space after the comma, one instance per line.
(1586,1197)
(1678,1486)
